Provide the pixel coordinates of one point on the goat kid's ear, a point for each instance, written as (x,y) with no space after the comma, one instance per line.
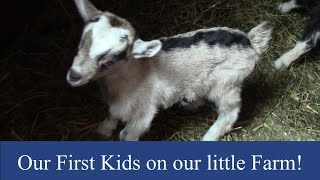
(86,9)
(144,49)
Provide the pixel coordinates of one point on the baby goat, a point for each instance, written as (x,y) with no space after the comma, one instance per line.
(139,77)
(309,37)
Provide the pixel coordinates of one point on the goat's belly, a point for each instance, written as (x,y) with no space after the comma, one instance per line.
(177,95)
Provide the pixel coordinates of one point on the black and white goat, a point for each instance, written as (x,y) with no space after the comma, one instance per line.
(309,37)
(139,77)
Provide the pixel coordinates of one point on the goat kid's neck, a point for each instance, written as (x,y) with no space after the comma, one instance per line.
(125,76)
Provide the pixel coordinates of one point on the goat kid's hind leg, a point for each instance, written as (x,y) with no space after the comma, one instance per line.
(228,108)
(107,127)
(138,125)
(288,6)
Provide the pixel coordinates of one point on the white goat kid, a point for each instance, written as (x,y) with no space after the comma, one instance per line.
(139,77)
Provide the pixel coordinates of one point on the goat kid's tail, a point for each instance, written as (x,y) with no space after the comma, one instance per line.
(260,36)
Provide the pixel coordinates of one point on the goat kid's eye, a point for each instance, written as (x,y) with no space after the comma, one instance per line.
(109,63)
(100,57)
(124,38)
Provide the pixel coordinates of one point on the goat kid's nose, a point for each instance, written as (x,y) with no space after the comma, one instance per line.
(74,75)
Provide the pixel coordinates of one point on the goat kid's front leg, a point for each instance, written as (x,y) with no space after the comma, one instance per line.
(306,43)
(289,57)
(107,127)
(137,126)
(228,108)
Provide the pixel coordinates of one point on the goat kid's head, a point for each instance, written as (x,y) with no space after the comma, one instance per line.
(106,39)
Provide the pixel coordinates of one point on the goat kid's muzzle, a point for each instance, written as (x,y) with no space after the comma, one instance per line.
(76,79)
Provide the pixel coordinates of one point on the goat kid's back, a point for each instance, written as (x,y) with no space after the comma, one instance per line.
(222,57)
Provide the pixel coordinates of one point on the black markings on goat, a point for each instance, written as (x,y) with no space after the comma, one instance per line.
(313,27)
(86,41)
(116,21)
(308,4)
(185,100)
(310,34)
(222,37)
(120,56)
(101,56)
(94,19)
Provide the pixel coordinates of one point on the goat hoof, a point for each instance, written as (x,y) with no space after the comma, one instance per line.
(284,8)
(279,65)
(104,131)
(207,137)
(123,134)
